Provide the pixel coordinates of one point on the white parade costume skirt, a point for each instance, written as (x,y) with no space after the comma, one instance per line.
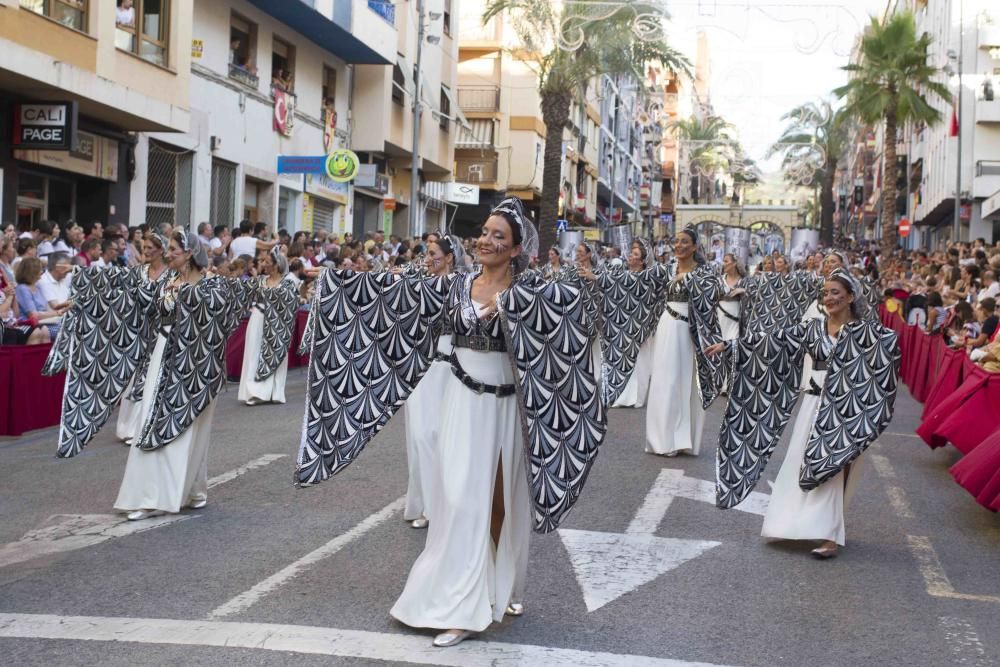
(674,416)
(129,416)
(271,389)
(459,580)
(729,327)
(812,313)
(423,419)
(794,514)
(637,388)
(172,476)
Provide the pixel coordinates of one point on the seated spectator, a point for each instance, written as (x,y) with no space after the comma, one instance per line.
(7,254)
(988,322)
(220,265)
(13,332)
(961,325)
(31,302)
(109,253)
(90,252)
(54,283)
(45,234)
(25,248)
(937,314)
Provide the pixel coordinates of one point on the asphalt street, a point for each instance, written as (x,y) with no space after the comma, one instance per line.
(647,570)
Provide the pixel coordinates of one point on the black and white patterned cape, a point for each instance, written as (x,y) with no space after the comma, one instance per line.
(775,301)
(278,305)
(193,366)
(550,340)
(150,329)
(704,288)
(372,339)
(856,401)
(100,346)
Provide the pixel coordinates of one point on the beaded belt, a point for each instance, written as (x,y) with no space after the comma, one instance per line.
(673,313)
(728,314)
(500,391)
(441,356)
(480,343)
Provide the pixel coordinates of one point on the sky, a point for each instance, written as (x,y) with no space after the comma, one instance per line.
(769,56)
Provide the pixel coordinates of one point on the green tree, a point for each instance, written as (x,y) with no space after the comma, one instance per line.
(568,44)
(812,145)
(887,86)
(711,150)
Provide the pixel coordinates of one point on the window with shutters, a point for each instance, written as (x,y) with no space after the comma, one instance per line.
(168,185)
(223,203)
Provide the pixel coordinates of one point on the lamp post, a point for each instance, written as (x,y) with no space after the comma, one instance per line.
(416,220)
(957,221)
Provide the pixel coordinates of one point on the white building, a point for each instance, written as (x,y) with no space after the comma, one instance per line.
(933,152)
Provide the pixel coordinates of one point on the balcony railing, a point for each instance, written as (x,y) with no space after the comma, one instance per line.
(476,169)
(479,98)
(385,9)
(243,75)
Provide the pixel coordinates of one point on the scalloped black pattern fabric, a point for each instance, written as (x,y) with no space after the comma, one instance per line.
(550,336)
(775,301)
(704,289)
(103,344)
(193,369)
(150,330)
(278,305)
(372,341)
(857,400)
(82,287)
(628,304)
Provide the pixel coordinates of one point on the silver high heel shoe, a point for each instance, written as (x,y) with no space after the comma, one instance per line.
(451,638)
(419,523)
(139,515)
(198,504)
(514,609)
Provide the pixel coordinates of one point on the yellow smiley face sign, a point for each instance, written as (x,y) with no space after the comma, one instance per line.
(342,165)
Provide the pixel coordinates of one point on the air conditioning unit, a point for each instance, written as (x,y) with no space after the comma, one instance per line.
(475,173)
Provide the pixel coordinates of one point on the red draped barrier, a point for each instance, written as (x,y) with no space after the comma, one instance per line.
(951,372)
(979,472)
(237,343)
(968,415)
(28,399)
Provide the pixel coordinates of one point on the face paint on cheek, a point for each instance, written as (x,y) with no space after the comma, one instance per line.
(499,247)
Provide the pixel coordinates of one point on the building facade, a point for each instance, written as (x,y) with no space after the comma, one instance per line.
(81,72)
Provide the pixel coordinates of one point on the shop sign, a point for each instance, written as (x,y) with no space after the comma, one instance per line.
(307,213)
(340,165)
(390,204)
(91,155)
(50,126)
(325,187)
(197,48)
(461,193)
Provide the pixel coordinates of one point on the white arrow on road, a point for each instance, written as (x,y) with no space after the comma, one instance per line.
(68,532)
(609,565)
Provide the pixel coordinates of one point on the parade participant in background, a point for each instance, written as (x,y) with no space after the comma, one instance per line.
(153,272)
(553,267)
(167,466)
(425,405)
(849,403)
(269,331)
(733,273)
(637,389)
(684,381)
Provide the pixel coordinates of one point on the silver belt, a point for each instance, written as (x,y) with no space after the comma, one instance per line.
(480,343)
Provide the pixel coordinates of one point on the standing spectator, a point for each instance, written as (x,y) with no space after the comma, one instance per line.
(219,245)
(246,244)
(54,283)
(30,301)
(205,234)
(94,231)
(261,231)
(44,236)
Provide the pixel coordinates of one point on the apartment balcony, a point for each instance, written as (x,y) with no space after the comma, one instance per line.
(479,99)
(476,169)
(479,135)
(385,9)
(987,179)
(988,111)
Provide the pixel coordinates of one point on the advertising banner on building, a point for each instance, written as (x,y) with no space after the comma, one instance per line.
(284,112)
(91,155)
(804,242)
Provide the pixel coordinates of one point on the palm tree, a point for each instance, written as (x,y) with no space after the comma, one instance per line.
(710,153)
(568,44)
(888,85)
(811,146)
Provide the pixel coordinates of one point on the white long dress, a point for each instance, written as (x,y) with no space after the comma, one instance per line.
(272,388)
(129,416)
(423,419)
(726,311)
(175,475)
(459,580)
(637,388)
(674,416)
(794,514)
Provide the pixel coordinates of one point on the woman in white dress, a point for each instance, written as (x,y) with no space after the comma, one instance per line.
(274,306)
(424,407)
(729,305)
(675,412)
(637,388)
(154,247)
(164,475)
(473,566)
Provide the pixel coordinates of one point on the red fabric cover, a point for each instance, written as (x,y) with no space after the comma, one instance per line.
(237,342)
(951,372)
(979,472)
(28,399)
(968,415)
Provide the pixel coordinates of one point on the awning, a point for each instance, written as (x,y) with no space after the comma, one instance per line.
(456,111)
(404,64)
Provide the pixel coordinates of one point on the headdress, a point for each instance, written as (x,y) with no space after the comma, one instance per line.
(192,244)
(160,239)
(279,259)
(699,256)
(647,248)
(513,209)
(860,308)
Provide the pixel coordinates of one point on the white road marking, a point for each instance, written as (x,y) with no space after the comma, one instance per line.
(311,640)
(69,532)
(882,466)
(935,579)
(609,565)
(964,642)
(897,496)
(242,470)
(248,598)
(904,435)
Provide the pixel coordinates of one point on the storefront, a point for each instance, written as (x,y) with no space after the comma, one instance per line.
(325,205)
(290,202)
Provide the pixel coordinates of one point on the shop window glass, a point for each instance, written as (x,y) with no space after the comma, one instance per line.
(70,13)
